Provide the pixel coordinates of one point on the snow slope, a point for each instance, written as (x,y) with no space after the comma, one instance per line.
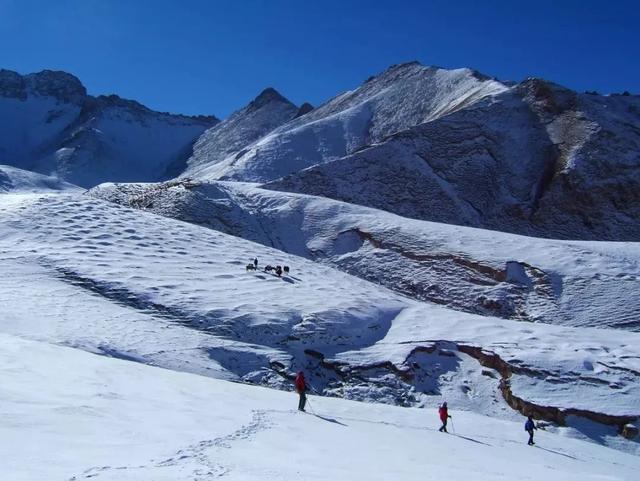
(22,181)
(537,159)
(50,125)
(134,285)
(401,97)
(107,419)
(580,284)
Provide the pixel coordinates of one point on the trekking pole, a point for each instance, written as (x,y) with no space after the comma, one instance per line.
(453,428)
(310,408)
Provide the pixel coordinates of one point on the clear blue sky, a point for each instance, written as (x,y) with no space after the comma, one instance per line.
(212,57)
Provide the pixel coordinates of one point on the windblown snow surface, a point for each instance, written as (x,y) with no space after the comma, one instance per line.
(116,281)
(69,415)
(579,284)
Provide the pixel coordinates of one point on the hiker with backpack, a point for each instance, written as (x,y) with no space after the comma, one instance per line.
(301,389)
(529,426)
(443,411)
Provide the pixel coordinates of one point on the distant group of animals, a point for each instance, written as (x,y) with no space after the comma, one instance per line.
(253,266)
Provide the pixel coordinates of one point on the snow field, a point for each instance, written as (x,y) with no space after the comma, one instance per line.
(135,285)
(107,419)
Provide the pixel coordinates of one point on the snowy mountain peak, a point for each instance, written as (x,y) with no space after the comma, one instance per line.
(399,71)
(305,108)
(267,96)
(536,159)
(11,84)
(226,140)
(405,67)
(61,85)
(408,69)
(112,101)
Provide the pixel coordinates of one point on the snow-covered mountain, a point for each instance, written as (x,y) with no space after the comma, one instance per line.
(228,138)
(401,97)
(537,159)
(50,125)
(450,146)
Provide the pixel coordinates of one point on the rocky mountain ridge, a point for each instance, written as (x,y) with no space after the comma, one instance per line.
(537,159)
(401,97)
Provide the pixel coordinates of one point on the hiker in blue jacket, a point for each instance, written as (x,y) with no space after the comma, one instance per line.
(529,426)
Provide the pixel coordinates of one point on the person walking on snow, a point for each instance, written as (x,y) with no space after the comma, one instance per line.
(529,426)
(255,263)
(301,389)
(443,411)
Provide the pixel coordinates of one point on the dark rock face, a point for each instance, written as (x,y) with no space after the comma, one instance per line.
(12,85)
(61,85)
(630,431)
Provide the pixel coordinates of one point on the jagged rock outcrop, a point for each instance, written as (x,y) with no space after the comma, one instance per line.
(305,108)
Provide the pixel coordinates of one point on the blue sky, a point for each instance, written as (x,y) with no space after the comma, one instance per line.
(212,57)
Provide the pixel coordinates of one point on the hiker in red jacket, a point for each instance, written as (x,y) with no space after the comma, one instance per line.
(301,388)
(443,411)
